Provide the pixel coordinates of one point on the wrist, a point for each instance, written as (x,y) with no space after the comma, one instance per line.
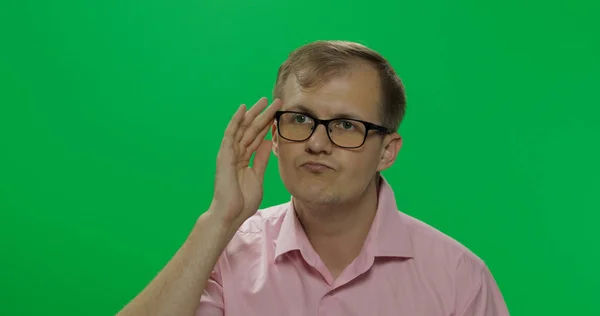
(214,220)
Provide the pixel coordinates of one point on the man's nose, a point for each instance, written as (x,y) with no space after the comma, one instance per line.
(319,142)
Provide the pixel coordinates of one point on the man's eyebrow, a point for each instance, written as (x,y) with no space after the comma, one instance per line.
(304,109)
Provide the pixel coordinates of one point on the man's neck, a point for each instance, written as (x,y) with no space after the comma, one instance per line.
(338,232)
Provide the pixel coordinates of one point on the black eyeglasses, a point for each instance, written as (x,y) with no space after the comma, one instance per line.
(343,132)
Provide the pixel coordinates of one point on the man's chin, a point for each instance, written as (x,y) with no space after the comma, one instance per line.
(314,183)
(316,194)
(312,188)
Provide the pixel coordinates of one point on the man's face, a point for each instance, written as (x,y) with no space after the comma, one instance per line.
(355,94)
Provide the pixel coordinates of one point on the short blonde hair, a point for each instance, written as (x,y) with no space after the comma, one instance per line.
(314,63)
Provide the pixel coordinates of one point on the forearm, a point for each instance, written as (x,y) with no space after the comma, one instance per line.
(177,289)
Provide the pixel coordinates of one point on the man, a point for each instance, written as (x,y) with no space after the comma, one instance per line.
(340,246)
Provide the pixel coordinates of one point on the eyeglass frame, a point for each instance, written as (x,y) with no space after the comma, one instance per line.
(368,126)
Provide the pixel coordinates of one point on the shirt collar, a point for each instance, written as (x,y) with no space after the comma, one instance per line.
(292,236)
(388,236)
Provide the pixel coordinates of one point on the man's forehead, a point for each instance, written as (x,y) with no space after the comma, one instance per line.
(336,97)
(326,112)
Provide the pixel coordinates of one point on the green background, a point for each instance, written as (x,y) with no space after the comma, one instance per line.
(111,114)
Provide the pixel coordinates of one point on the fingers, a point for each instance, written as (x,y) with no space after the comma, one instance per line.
(250,116)
(230,131)
(263,121)
(261,159)
(235,121)
(247,130)
(257,141)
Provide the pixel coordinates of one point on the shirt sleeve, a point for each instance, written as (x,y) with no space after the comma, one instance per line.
(211,301)
(480,293)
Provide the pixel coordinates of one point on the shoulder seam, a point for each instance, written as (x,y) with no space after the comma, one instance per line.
(263,221)
(480,271)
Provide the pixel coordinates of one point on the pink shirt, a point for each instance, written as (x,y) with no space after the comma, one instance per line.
(405,268)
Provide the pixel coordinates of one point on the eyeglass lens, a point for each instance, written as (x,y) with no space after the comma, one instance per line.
(343,132)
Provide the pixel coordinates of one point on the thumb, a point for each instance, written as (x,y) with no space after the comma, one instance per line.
(261,158)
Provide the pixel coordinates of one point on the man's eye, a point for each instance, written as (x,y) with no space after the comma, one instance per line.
(299,118)
(346,125)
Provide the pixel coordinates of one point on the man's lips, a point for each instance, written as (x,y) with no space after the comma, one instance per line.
(315,166)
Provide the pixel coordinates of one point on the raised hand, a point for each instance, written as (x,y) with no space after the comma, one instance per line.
(238,186)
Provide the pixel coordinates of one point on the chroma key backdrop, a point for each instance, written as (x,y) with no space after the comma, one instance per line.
(111,115)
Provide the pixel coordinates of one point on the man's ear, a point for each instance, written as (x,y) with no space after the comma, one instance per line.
(275,139)
(392,145)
